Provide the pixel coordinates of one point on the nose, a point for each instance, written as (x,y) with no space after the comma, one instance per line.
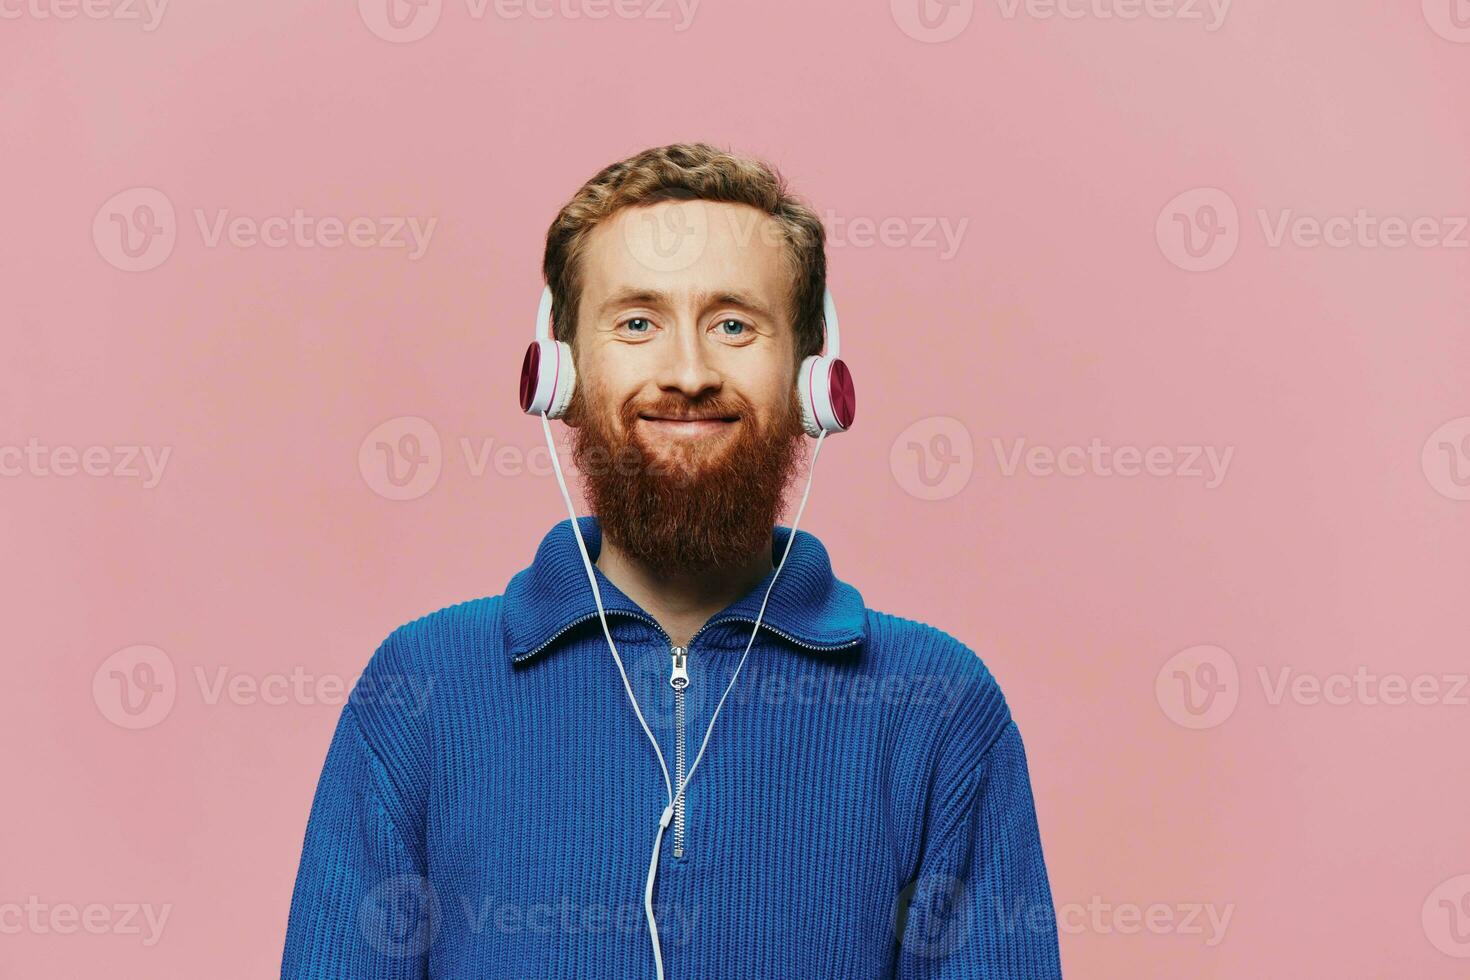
(686,366)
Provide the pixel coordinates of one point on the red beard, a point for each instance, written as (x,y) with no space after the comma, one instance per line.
(689,505)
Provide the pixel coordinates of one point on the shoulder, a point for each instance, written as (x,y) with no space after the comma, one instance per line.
(465,634)
(427,665)
(970,704)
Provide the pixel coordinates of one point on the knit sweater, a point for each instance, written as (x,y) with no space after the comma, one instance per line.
(489,800)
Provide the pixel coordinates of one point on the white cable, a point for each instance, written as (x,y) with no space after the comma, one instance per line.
(812,472)
(668,813)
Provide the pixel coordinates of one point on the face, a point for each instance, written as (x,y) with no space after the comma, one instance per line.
(686,424)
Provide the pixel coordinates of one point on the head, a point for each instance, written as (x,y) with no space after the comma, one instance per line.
(688,283)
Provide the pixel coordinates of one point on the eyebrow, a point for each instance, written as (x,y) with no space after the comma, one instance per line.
(720,297)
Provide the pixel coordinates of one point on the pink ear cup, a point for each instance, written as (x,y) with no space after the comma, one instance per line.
(842,394)
(530,372)
(828,397)
(547,378)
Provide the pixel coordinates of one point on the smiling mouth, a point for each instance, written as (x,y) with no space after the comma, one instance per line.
(689,425)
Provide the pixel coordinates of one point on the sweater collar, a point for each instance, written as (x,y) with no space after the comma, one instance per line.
(809,606)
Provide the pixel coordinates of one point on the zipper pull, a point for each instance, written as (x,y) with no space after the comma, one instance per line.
(679,675)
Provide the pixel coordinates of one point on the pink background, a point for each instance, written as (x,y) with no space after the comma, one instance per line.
(1333,833)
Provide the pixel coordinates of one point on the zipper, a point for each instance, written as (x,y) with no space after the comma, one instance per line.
(785,636)
(654,623)
(520,658)
(679,681)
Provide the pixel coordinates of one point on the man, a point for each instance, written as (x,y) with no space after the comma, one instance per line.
(862,809)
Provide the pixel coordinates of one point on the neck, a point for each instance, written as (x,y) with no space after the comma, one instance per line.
(682,603)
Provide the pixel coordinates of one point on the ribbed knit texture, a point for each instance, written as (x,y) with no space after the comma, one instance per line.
(489,801)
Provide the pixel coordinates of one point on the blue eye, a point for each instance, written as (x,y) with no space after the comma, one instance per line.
(635,320)
(737,323)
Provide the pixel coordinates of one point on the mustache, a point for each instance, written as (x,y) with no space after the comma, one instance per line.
(685,409)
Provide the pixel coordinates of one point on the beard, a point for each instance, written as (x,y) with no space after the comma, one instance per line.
(687,505)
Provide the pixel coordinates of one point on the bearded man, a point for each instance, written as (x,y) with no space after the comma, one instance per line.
(862,806)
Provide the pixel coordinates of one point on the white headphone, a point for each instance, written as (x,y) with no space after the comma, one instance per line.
(828,401)
(827,405)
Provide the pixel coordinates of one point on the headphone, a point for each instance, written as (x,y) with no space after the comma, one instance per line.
(828,401)
(828,404)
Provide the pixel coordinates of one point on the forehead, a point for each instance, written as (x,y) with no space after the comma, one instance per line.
(687,247)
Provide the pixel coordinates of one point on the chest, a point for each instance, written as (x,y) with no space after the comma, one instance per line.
(780,860)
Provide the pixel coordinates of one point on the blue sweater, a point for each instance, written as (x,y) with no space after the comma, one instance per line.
(489,801)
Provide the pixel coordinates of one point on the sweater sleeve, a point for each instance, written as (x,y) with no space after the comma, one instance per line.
(362,908)
(980,905)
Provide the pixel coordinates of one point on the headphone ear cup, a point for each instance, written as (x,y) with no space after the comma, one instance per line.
(548,378)
(828,399)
